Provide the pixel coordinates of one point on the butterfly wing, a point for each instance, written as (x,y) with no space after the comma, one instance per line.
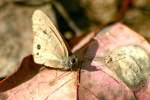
(48,46)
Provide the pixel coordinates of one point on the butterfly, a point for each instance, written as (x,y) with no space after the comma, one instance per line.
(49,47)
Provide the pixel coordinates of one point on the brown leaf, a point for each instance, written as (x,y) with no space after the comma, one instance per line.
(97,81)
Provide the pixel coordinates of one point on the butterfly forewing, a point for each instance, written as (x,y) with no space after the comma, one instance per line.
(48,45)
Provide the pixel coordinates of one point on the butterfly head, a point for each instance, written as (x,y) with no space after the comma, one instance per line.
(71,62)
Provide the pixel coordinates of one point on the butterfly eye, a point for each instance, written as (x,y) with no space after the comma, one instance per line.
(38,47)
(73,61)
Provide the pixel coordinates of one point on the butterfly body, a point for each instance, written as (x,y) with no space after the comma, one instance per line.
(49,47)
(70,62)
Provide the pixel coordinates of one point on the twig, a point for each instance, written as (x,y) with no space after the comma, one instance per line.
(71,23)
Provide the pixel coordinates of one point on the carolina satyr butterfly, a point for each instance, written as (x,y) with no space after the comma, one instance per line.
(49,48)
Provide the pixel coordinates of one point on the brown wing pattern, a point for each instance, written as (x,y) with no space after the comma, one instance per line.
(48,44)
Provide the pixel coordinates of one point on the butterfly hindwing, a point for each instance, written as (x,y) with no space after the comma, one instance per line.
(48,45)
